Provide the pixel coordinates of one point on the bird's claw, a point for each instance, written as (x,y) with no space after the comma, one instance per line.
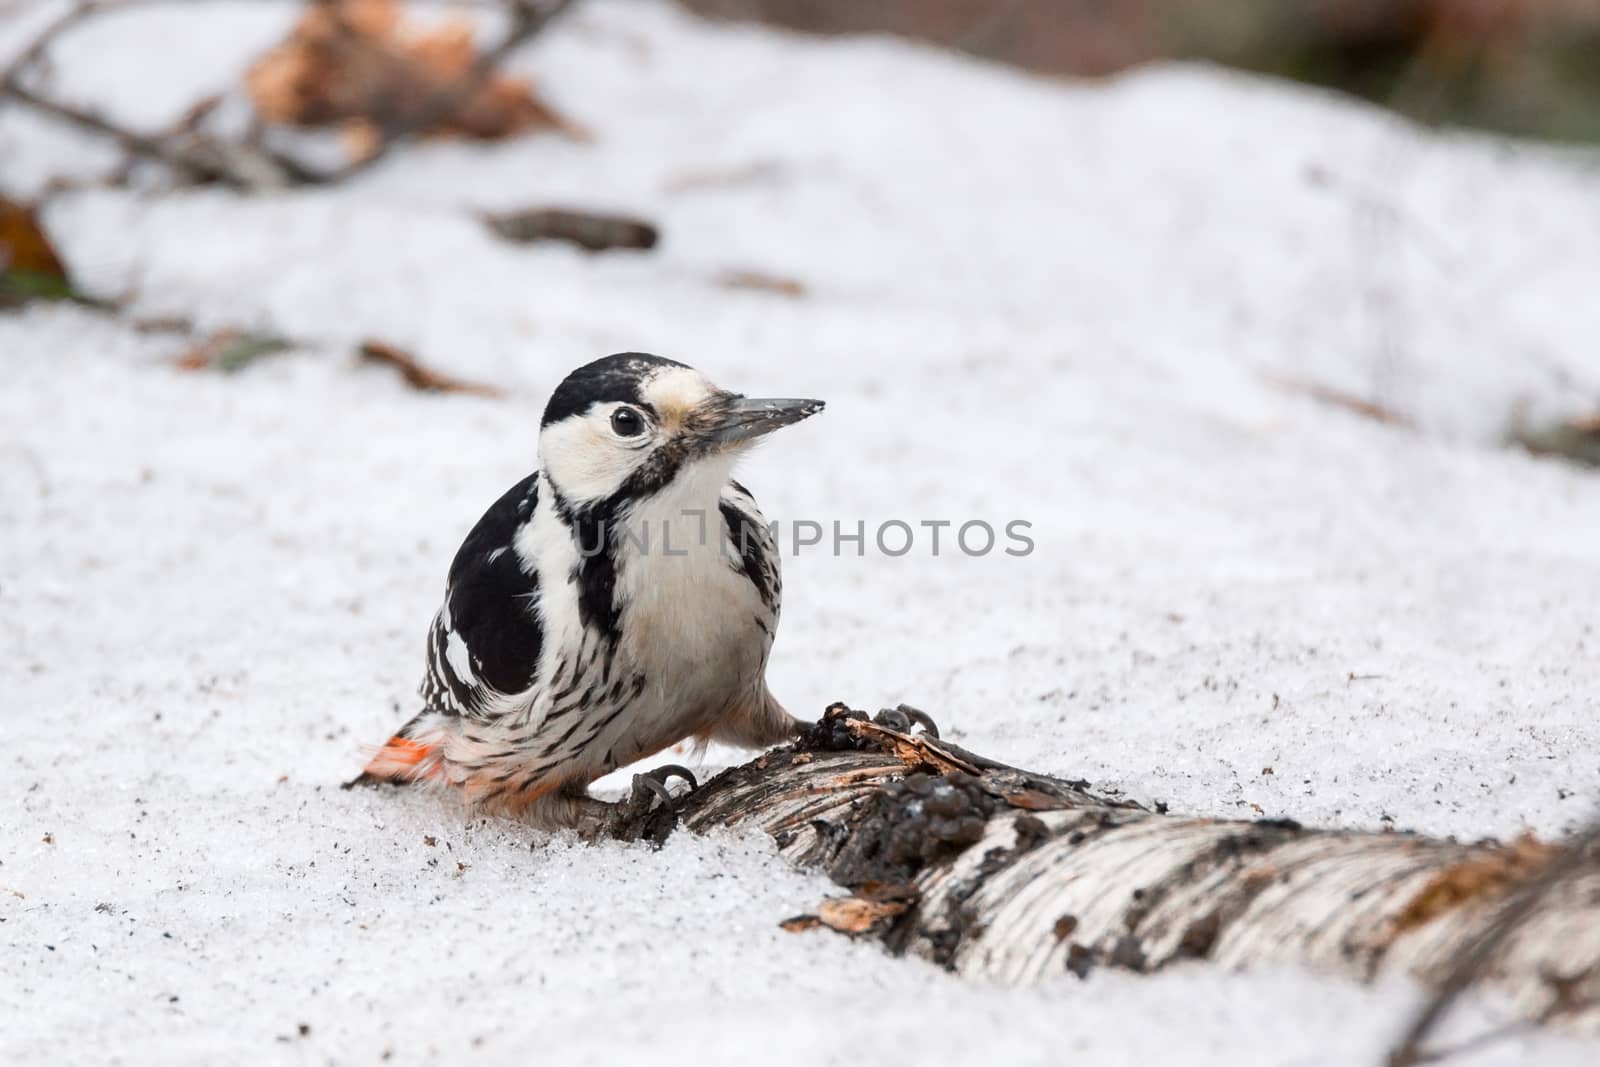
(651,811)
(652,785)
(903,717)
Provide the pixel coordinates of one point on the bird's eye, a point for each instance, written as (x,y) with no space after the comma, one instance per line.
(625,422)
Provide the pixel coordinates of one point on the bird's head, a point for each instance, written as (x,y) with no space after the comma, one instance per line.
(631,424)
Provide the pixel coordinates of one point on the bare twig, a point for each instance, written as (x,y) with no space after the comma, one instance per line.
(248,164)
(422,377)
(41,42)
(231,167)
(186,149)
(1367,409)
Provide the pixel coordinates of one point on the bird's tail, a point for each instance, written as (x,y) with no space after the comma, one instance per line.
(414,754)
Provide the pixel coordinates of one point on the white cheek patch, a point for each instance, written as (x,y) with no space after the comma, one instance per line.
(674,392)
(583,457)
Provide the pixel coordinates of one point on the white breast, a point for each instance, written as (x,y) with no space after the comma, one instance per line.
(689,618)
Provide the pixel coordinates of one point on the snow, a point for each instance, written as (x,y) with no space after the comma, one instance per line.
(1072,304)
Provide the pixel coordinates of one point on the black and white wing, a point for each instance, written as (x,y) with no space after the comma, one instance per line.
(485,641)
(752,550)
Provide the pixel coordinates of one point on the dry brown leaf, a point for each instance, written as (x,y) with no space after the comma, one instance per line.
(1034,800)
(856,915)
(886,892)
(23,244)
(29,265)
(419,376)
(354,62)
(797,924)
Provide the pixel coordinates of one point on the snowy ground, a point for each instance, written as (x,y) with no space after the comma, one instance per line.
(1072,305)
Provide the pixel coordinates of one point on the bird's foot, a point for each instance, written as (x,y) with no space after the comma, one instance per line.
(651,811)
(903,716)
(651,785)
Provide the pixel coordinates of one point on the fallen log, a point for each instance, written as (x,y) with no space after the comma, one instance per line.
(1015,876)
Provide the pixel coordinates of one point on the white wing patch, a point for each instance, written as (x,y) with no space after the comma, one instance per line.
(459,657)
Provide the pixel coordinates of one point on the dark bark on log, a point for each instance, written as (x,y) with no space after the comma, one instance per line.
(1006,874)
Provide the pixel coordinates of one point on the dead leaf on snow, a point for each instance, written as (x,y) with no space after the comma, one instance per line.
(29,266)
(857,915)
(358,65)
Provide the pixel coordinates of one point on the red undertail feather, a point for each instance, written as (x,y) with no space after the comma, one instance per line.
(404,759)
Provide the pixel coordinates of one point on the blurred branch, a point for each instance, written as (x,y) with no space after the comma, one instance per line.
(201,157)
(186,149)
(198,157)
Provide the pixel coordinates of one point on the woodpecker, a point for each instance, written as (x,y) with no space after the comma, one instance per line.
(618,600)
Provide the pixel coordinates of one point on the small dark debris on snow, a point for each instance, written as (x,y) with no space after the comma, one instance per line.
(1064,926)
(588,230)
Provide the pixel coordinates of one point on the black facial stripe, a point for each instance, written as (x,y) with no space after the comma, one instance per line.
(594,529)
(611,379)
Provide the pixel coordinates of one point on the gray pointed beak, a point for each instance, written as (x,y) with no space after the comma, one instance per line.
(746,418)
